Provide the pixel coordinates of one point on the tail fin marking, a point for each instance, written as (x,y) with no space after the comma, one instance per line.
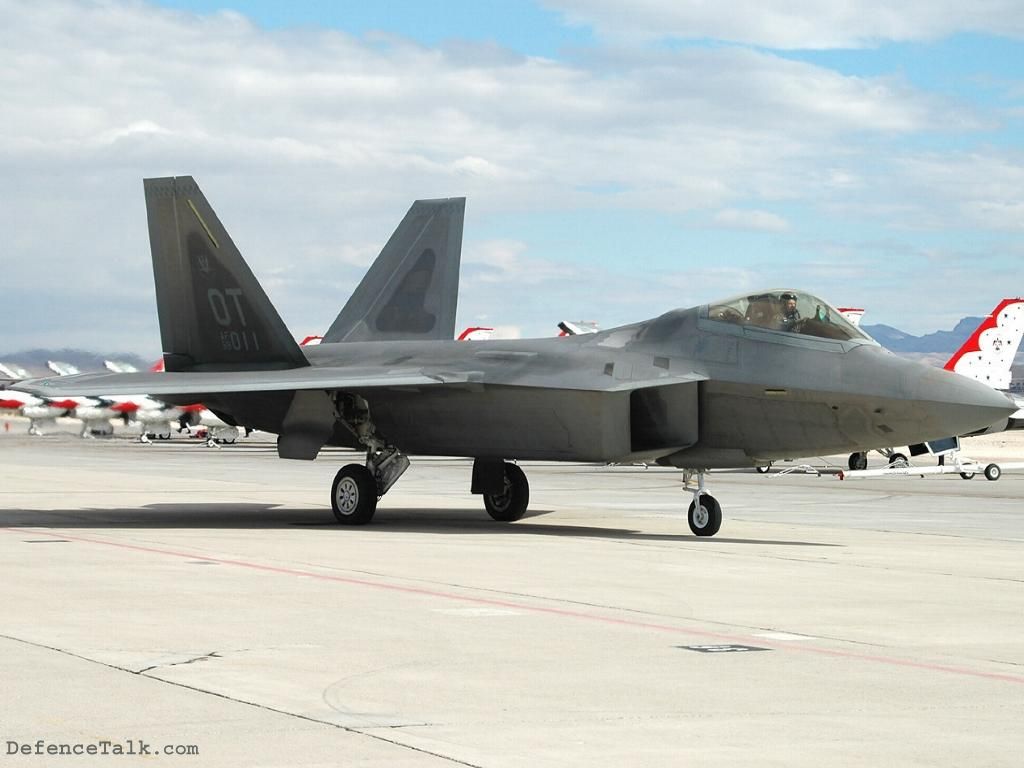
(214,315)
(411,291)
(987,355)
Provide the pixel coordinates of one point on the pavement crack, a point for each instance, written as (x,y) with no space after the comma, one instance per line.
(307,718)
(203,657)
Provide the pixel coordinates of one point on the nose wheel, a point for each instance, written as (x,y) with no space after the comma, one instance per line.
(705,513)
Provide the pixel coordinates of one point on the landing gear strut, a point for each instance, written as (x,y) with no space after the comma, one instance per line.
(357,488)
(897,459)
(705,513)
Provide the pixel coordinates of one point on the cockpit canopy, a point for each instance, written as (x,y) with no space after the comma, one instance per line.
(787,311)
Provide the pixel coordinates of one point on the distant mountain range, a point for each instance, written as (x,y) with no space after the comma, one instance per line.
(946,342)
(934,348)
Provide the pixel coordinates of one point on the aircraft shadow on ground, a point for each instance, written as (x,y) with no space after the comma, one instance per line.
(259,516)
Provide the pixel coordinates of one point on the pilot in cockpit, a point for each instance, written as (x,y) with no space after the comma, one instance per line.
(790,314)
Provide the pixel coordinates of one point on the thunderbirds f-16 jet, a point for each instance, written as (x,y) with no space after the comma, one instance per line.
(734,383)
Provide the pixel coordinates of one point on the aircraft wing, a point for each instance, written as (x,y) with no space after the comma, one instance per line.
(329,378)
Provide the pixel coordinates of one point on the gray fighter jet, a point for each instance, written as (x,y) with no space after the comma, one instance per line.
(768,375)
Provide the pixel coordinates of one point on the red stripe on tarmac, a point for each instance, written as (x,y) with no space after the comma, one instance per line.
(565,612)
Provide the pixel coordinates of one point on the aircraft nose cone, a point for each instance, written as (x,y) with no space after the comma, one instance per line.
(961,405)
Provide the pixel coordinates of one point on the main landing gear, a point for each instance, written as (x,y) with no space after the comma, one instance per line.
(357,488)
(510,503)
(705,513)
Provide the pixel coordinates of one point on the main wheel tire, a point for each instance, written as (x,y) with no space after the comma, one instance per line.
(993,472)
(706,518)
(509,505)
(967,475)
(763,468)
(858,460)
(898,459)
(354,495)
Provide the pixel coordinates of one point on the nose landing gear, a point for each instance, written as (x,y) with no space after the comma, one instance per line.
(705,513)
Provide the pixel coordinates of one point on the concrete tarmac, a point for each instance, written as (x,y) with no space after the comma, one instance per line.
(172,595)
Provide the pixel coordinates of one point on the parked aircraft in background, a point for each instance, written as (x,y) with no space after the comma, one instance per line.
(718,385)
(13,372)
(116,366)
(853,314)
(62,369)
(987,357)
(155,419)
(475,333)
(42,412)
(96,413)
(578,328)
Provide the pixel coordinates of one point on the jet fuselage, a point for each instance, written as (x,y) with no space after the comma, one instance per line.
(731,396)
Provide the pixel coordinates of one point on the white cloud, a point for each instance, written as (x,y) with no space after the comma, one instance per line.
(478,166)
(733,218)
(312,144)
(791,24)
(997,214)
(504,261)
(984,190)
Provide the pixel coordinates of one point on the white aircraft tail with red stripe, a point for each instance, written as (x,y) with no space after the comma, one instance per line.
(475,333)
(853,314)
(988,354)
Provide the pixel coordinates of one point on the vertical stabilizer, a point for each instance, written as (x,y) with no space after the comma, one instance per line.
(987,355)
(214,315)
(411,290)
(12,371)
(62,369)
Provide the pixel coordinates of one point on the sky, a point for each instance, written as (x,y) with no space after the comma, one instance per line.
(619,160)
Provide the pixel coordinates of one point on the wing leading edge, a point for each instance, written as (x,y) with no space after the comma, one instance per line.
(325,378)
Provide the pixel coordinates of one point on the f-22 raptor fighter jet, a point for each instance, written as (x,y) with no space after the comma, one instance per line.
(736,383)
